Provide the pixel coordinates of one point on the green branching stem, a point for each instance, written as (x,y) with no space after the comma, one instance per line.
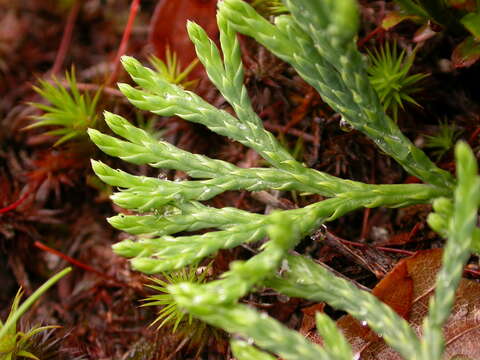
(334,342)
(142,148)
(215,302)
(153,255)
(186,216)
(242,350)
(308,280)
(146,194)
(318,40)
(329,61)
(456,253)
(266,332)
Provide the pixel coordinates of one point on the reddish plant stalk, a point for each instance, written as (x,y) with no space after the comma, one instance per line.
(378,30)
(124,43)
(75,262)
(16,204)
(66,38)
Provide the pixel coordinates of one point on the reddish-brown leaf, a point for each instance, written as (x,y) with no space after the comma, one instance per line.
(394,18)
(308,323)
(407,288)
(466,53)
(467,5)
(168,26)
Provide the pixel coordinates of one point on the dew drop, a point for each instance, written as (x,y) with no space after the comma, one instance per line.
(345,125)
(285,266)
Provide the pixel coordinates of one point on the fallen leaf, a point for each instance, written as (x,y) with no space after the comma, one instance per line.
(309,324)
(466,53)
(415,277)
(394,18)
(168,27)
(424,33)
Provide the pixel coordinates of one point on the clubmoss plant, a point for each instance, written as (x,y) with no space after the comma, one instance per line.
(318,39)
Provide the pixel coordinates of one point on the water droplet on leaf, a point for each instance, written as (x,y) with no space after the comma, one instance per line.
(345,125)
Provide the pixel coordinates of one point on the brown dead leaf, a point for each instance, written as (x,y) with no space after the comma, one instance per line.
(407,288)
(308,324)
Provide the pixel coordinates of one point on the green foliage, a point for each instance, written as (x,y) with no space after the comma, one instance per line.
(389,76)
(457,16)
(171,69)
(318,40)
(413,7)
(444,140)
(334,342)
(16,344)
(471,21)
(461,227)
(70,112)
(440,11)
(244,351)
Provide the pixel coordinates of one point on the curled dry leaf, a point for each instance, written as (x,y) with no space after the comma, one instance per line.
(407,289)
(308,324)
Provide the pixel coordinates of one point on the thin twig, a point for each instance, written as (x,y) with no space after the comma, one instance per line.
(66,38)
(78,263)
(17,203)
(124,43)
(295,132)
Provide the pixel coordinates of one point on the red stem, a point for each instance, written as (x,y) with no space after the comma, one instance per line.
(365,224)
(124,43)
(371,34)
(76,263)
(474,136)
(16,203)
(66,38)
